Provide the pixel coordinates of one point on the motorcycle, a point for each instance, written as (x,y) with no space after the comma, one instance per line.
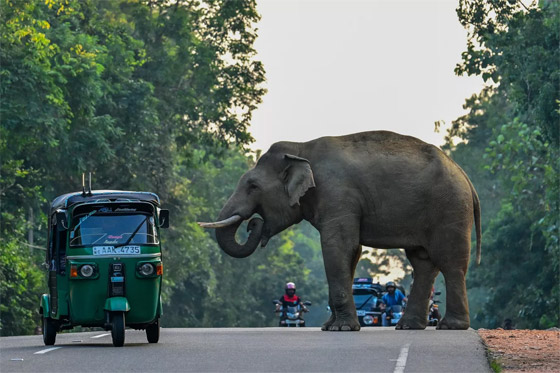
(433,315)
(291,316)
(394,314)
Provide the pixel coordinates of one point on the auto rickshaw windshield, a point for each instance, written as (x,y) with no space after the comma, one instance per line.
(112,229)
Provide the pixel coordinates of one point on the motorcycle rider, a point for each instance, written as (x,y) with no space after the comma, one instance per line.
(290,299)
(394,297)
(433,313)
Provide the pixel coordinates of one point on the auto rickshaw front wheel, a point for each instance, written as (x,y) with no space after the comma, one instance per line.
(152,332)
(117,328)
(49,331)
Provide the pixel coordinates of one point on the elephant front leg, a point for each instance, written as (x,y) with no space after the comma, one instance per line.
(340,262)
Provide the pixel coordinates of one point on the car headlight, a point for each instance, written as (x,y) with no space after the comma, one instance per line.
(368,320)
(146,269)
(87,270)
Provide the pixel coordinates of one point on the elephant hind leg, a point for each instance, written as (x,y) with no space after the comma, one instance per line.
(454,266)
(425,272)
(457,307)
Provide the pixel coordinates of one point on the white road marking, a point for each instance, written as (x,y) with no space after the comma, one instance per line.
(46,350)
(101,335)
(401,361)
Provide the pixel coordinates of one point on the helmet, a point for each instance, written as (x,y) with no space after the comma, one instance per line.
(389,284)
(290,285)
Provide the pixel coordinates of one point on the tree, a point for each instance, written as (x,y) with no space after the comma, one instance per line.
(133,91)
(515,125)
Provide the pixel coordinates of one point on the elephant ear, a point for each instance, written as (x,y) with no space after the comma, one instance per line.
(298,178)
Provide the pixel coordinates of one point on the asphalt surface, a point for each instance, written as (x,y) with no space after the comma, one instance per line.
(250,350)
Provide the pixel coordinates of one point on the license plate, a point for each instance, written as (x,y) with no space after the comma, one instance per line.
(361,312)
(111,250)
(117,279)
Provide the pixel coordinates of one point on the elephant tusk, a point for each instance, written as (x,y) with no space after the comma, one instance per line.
(222,223)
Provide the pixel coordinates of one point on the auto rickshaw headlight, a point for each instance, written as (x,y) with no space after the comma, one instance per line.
(146,269)
(87,270)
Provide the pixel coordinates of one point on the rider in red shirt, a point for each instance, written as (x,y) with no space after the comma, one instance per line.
(290,299)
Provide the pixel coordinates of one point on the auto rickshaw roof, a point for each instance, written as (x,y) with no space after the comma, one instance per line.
(67,200)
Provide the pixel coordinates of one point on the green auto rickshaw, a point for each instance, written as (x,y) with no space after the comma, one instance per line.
(105,263)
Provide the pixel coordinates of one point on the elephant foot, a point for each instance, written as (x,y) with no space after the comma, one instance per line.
(341,326)
(408,323)
(449,323)
(328,323)
(326,326)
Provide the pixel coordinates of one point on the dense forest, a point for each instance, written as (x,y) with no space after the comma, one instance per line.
(157,95)
(508,143)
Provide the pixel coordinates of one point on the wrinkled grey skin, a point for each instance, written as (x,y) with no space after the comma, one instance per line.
(378,189)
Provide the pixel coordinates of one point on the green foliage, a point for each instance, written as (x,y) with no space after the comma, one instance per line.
(518,49)
(146,95)
(21,284)
(496,366)
(511,151)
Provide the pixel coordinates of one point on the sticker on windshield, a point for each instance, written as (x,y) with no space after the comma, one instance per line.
(111,250)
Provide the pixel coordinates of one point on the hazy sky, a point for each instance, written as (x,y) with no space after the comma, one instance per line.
(339,67)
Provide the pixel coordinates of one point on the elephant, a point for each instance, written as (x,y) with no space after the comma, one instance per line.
(378,189)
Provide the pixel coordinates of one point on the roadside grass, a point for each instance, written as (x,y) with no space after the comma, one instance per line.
(493,359)
(495,364)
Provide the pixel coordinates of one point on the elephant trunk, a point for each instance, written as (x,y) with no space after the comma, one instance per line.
(228,243)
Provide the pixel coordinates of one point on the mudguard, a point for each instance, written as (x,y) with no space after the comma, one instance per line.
(117,304)
(159,307)
(45,308)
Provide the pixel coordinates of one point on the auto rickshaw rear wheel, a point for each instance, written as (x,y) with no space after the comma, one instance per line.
(49,331)
(152,332)
(117,328)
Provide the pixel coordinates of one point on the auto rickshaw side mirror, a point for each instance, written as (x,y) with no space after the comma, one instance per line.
(61,222)
(164,218)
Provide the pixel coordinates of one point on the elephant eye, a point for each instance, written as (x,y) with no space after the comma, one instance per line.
(253,188)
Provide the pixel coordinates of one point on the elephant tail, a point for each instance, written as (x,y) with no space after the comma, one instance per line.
(476,203)
(476,206)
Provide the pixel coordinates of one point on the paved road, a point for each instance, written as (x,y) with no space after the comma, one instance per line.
(250,350)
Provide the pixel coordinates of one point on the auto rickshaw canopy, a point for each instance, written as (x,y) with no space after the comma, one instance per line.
(66,200)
